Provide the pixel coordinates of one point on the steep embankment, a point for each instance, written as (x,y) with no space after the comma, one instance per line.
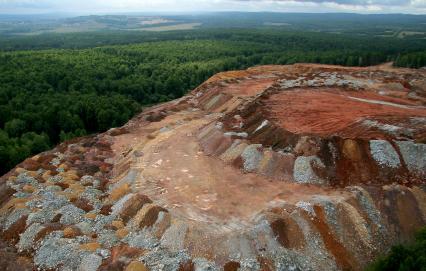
(302,167)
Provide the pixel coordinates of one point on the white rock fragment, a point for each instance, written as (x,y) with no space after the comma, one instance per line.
(306,206)
(90,262)
(384,154)
(58,252)
(235,134)
(252,157)
(219,125)
(414,156)
(387,128)
(158,163)
(303,172)
(27,238)
(165,129)
(261,126)
(117,208)
(71,214)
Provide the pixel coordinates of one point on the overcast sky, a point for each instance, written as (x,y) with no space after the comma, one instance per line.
(116,6)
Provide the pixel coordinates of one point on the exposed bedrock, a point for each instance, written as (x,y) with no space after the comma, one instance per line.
(311,159)
(339,127)
(302,167)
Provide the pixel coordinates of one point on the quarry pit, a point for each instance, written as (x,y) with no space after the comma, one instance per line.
(300,167)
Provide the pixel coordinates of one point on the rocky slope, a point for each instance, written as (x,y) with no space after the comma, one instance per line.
(302,167)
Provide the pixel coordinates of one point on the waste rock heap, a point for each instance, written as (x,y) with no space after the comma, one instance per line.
(301,167)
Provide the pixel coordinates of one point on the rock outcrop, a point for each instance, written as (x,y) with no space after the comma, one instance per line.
(302,167)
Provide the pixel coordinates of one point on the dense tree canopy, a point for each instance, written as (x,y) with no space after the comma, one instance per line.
(411,257)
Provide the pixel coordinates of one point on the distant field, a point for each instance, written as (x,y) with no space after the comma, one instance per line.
(94,26)
(94,23)
(73,28)
(154,21)
(63,30)
(275,24)
(187,26)
(404,34)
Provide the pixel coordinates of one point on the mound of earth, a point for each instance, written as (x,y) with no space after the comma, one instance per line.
(301,167)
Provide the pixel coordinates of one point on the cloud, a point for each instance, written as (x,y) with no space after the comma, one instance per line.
(109,6)
(359,6)
(346,2)
(25,4)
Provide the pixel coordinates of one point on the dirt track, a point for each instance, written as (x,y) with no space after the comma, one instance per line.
(175,173)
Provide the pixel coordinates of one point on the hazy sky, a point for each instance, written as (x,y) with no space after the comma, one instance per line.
(111,6)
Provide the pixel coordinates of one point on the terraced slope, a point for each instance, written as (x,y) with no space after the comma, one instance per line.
(302,167)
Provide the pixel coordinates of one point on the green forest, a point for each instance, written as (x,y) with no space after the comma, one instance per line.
(407,257)
(55,87)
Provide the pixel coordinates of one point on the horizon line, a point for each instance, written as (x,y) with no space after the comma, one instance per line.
(101,13)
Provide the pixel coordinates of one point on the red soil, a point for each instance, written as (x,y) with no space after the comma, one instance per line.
(250,87)
(330,111)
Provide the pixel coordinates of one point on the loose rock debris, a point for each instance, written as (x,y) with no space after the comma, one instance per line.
(301,167)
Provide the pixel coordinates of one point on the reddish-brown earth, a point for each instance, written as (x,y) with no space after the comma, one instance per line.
(302,167)
(328,111)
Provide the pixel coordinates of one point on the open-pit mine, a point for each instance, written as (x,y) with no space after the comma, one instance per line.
(300,167)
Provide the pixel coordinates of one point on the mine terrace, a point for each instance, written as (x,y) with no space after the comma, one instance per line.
(301,167)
